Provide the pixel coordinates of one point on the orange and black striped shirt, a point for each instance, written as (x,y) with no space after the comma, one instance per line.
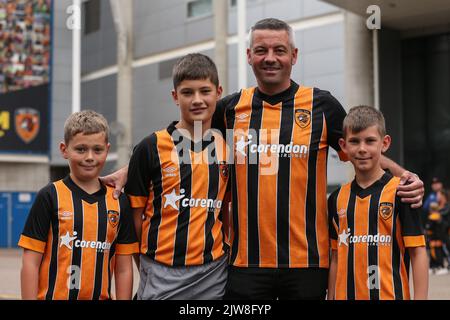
(279,175)
(78,234)
(371,229)
(181,185)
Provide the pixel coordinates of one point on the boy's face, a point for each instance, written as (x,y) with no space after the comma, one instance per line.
(86,155)
(364,148)
(197,99)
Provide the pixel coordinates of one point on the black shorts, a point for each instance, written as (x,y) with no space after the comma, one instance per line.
(272,284)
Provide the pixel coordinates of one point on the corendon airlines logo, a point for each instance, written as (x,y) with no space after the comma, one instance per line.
(345,238)
(245,144)
(67,240)
(172,198)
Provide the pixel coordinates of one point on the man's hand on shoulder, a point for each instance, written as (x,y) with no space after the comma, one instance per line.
(411,189)
(117,180)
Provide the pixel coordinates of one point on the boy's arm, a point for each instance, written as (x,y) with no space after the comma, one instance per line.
(137,219)
(127,246)
(332,275)
(124,277)
(333,232)
(414,240)
(140,175)
(34,240)
(419,263)
(29,275)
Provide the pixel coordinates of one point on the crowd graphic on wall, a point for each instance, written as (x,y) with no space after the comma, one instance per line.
(24,43)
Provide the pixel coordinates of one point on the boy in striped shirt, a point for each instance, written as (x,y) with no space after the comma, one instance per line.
(373,234)
(77,235)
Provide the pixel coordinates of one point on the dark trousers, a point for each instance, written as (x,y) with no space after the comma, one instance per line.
(272,284)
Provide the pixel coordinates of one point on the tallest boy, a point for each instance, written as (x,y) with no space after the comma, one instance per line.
(282,132)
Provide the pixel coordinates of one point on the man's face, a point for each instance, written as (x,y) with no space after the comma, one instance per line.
(272,57)
(197,99)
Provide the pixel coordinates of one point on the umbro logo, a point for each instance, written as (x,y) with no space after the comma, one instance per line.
(242,117)
(66,215)
(170,172)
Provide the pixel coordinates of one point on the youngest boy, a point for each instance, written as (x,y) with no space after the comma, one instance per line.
(370,229)
(77,234)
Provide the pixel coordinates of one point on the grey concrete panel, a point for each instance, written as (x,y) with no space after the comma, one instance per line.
(315,8)
(324,62)
(323,38)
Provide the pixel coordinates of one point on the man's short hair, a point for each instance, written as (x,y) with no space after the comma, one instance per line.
(362,117)
(272,24)
(86,122)
(194,66)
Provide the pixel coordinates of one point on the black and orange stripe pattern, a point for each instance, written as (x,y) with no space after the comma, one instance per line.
(78,235)
(182,186)
(371,230)
(279,195)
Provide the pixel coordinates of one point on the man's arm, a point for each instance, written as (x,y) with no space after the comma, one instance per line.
(117,180)
(332,276)
(419,263)
(29,276)
(410,189)
(124,277)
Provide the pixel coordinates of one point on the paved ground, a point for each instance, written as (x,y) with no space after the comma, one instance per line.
(10,264)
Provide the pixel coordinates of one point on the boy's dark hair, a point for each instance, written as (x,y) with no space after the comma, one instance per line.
(272,24)
(362,117)
(194,66)
(86,122)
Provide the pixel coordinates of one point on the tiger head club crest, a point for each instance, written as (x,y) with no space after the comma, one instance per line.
(386,209)
(27,122)
(302,118)
(113,218)
(223,167)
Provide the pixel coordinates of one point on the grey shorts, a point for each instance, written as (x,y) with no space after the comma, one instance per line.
(203,282)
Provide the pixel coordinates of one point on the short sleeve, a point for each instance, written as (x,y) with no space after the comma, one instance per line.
(127,242)
(35,233)
(412,232)
(334,117)
(140,171)
(333,219)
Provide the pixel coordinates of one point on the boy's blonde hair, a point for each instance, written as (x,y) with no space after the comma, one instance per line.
(86,122)
(362,117)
